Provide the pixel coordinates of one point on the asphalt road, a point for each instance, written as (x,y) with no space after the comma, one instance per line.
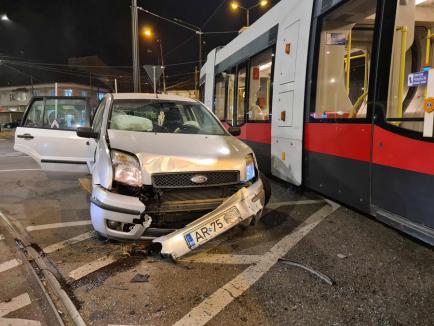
(381,277)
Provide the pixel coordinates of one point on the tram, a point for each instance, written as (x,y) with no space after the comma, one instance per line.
(338,96)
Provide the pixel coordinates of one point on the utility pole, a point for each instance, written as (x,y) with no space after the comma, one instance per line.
(196,81)
(135,46)
(162,65)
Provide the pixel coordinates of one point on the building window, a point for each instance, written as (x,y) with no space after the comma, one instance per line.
(12,97)
(52,92)
(260,86)
(67,92)
(83,93)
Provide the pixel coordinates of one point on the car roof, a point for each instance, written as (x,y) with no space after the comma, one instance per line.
(150,96)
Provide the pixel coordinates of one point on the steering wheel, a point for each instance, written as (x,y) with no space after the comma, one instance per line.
(158,128)
(188,129)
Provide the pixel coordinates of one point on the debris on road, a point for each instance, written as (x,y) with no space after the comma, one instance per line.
(322,276)
(342,256)
(140,278)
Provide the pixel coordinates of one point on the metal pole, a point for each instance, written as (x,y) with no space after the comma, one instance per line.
(162,65)
(116,85)
(155,82)
(248,17)
(135,46)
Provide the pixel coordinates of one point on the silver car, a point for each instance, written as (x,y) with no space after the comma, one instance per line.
(163,167)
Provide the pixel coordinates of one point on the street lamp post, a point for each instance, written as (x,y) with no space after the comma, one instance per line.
(135,47)
(236,5)
(147,32)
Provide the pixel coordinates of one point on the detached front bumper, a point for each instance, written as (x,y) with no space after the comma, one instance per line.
(247,202)
(127,210)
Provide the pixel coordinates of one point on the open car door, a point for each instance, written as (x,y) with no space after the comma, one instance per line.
(48,134)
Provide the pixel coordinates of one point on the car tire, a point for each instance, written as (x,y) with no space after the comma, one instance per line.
(267,187)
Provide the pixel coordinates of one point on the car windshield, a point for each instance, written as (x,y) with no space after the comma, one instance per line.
(164,117)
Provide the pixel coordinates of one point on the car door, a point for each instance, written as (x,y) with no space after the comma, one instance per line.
(48,134)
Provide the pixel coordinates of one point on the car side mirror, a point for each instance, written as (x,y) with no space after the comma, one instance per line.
(86,132)
(235,131)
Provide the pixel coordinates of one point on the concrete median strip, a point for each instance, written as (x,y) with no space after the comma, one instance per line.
(221,298)
(57,225)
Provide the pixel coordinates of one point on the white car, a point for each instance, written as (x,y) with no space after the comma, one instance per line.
(163,167)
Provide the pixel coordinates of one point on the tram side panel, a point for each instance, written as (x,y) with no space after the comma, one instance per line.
(288,93)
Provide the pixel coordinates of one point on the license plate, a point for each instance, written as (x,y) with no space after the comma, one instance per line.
(211,229)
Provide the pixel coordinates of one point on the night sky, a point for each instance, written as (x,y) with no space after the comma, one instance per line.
(51,31)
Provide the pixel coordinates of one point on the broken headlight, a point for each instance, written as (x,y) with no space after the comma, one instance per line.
(126,169)
(250,167)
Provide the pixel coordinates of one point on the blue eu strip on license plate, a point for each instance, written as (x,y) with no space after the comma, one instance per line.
(190,241)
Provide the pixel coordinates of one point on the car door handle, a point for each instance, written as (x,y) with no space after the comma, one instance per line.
(26,136)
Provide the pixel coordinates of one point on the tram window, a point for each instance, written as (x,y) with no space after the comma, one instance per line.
(219,100)
(344,61)
(230,77)
(241,95)
(405,106)
(260,86)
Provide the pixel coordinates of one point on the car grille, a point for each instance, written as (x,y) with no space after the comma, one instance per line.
(183,180)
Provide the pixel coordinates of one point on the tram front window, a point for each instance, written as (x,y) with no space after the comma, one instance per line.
(414,26)
(344,61)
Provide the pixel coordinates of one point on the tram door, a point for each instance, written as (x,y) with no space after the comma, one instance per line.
(403,144)
(338,135)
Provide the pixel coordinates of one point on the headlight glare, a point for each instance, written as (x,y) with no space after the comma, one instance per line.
(126,169)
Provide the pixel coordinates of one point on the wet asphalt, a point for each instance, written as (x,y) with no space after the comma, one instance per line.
(381,276)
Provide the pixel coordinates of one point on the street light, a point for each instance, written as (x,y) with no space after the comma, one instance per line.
(148,33)
(235,5)
(5,18)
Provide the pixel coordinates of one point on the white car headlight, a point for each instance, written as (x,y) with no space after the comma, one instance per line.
(126,169)
(250,167)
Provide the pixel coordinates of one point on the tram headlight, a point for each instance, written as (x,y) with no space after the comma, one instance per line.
(250,167)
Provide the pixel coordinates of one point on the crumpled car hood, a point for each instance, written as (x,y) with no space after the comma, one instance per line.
(160,153)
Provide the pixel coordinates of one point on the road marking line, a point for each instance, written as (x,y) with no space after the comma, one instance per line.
(57,225)
(231,259)
(15,304)
(91,267)
(210,307)
(7,265)
(19,322)
(60,245)
(295,202)
(17,170)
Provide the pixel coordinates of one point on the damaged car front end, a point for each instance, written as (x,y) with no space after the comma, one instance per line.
(176,176)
